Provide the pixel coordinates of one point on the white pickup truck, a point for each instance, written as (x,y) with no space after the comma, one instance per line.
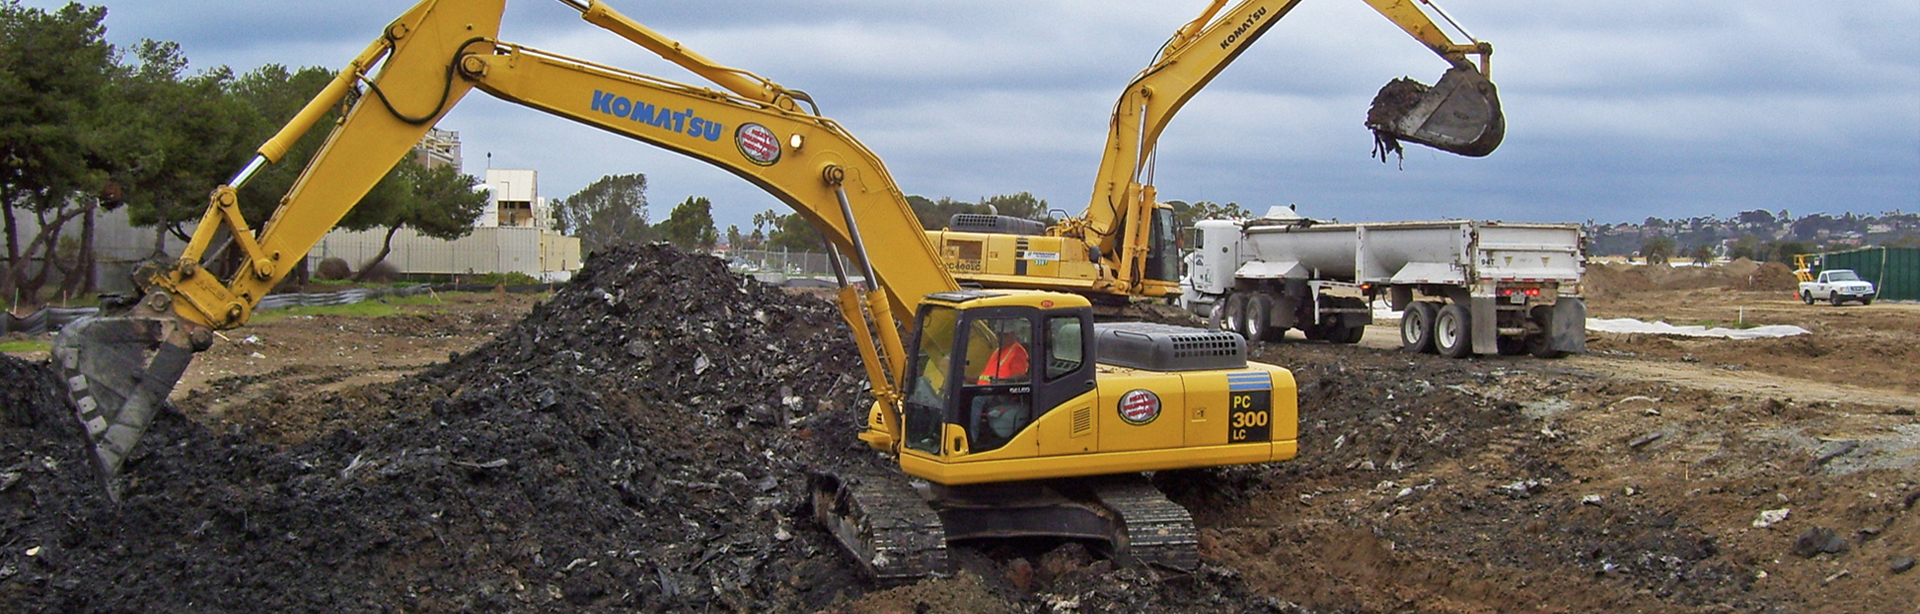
(1837,286)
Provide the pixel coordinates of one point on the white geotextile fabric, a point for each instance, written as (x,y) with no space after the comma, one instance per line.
(1630,325)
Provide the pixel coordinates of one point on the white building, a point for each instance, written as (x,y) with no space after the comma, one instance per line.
(513,235)
(438,148)
(513,199)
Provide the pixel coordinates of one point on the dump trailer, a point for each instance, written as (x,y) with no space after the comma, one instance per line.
(1464,287)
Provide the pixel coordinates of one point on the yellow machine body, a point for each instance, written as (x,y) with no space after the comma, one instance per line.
(1076,416)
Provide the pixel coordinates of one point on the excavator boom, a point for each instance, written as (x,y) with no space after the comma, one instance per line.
(1114,251)
(121,366)
(1042,449)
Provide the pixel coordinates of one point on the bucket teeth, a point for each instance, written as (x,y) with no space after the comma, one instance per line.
(118,370)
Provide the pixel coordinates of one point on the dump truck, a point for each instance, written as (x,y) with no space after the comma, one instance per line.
(1464,287)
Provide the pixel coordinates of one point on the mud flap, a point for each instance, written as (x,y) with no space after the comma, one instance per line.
(1568,330)
(1486,328)
(118,371)
(1459,114)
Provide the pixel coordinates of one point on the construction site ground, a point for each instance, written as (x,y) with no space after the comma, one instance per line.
(638,441)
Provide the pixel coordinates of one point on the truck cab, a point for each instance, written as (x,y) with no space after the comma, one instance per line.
(1837,286)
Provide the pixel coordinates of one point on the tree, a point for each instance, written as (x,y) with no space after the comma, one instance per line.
(54,68)
(1657,250)
(437,202)
(1701,254)
(935,214)
(690,225)
(734,238)
(1021,205)
(1184,215)
(1784,251)
(610,210)
(792,233)
(1748,247)
(176,136)
(275,94)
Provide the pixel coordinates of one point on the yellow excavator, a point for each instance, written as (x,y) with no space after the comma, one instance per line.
(1009,412)
(1124,244)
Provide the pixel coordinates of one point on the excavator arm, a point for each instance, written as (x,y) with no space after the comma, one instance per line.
(1460,114)
(121,366)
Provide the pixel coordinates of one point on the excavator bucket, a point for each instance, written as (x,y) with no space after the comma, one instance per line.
(1459,114)
(118,370)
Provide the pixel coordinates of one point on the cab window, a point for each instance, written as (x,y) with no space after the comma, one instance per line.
(997,351)
(1063,346)
(929,387)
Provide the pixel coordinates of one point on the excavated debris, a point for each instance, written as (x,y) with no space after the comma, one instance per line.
(641,441)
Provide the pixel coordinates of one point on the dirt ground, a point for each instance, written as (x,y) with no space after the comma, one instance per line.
(1654,474)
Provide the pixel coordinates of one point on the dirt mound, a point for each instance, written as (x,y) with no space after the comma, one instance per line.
(1607,281)
(1772,276)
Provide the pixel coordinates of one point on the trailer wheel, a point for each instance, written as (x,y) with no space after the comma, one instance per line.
(1540,344)
(1453,331)
(1259,313)
(1416,327)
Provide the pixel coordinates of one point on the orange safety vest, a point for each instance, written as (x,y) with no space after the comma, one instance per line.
(1007,362)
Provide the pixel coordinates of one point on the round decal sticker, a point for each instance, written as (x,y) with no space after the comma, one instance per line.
(758,144)
(1139,407)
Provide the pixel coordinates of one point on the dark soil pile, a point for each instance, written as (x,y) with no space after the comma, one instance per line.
(639,442)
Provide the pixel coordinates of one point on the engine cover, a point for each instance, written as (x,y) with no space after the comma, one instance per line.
(1164,347)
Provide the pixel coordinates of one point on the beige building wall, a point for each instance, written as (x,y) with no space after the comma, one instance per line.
(537,252)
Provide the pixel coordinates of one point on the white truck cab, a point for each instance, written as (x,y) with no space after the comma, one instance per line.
(1837,286)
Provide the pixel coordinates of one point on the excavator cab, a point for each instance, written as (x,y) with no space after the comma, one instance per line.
(1459,114)
(981,375)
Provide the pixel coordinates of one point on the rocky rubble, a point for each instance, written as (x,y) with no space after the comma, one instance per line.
(640,441)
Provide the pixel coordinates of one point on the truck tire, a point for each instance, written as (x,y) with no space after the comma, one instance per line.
(1235,316)
(1259,314)
(1352,334)
(1866,300)
(1416,327)
(1540,344)
(1453,331)
(1511,346)
(1835,298)
(1806,297)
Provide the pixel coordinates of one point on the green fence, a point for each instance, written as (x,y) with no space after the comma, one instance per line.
(1894,271)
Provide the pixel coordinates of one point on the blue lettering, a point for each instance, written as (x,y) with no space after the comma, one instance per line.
(602,101)
(664,120)
(641,111)
(680,120)
(712,131)
(696,126)
(621,106)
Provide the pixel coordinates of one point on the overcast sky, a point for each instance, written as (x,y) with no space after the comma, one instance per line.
(1616,110)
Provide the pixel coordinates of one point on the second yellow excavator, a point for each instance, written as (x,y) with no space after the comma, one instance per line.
(1124,245)
(1009,412)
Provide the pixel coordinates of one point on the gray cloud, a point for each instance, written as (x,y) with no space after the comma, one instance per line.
(1617,110)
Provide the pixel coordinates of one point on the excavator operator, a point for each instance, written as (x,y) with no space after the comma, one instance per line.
(1008,362)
